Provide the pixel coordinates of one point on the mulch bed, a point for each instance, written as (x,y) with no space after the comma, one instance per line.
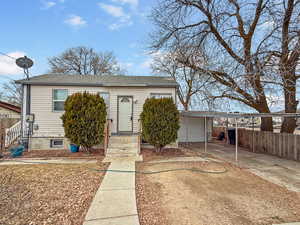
(48,154)
(47,194)
(150,154)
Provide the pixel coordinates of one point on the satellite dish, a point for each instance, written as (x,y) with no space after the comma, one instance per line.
(24,62)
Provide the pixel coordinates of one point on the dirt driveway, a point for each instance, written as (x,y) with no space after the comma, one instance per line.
(190,198)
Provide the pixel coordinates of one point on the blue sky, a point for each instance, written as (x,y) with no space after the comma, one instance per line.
(44,28)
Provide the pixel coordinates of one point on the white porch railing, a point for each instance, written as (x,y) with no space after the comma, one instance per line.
(12,133)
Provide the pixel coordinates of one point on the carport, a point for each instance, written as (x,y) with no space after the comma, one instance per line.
(235,116)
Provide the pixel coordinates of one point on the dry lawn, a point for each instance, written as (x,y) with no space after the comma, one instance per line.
(47,194)
(191,198)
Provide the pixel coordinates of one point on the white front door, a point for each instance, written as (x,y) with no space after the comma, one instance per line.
(125,113)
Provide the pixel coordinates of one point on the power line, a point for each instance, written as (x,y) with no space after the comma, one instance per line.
(8,56)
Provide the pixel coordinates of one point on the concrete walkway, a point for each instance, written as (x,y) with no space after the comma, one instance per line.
(115,200)
(280,171)
(21,161)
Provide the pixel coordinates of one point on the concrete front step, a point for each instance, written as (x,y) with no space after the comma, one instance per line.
(124,139)
(122,145)
(122,153)
(121,149)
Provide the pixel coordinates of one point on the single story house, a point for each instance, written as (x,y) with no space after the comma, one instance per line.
(44,97)
(9,110)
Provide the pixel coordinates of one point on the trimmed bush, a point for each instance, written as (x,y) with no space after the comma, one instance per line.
(160,122)
(84,119)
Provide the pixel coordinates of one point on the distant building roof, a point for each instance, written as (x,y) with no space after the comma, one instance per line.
(104,80)
(11,107)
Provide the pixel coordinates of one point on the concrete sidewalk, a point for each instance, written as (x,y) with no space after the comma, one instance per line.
(280,171)
(115,200)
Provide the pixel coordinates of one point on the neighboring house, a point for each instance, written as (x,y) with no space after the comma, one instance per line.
(9,110)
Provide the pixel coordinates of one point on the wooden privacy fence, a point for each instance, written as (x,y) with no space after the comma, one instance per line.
(279,144)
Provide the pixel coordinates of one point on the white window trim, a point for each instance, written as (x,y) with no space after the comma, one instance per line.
(53,110)
(107,105)
(164,94)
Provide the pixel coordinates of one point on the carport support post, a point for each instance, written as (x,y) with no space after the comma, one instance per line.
(205,135)
(236,140)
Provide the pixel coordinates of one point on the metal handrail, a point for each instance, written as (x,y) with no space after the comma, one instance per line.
(107,134)
(139,136)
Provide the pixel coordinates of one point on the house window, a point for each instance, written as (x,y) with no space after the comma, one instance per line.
(105,96)
(161,95)
(56,143)
(59,98)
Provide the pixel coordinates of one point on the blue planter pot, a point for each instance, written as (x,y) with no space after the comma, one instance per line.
(74,148)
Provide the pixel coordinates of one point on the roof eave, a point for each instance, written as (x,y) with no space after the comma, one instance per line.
(95,85)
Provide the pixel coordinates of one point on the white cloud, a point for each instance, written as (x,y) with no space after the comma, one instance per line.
(126,65)
(114,11)
(8,65)
(147,63)
(48,4)
(150,59)
(268,24)
(124,19)
(117,26)
(132,3)
(75,21)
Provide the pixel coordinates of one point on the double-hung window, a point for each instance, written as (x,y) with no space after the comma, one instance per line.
(59,98)
(161,95)
(105,96)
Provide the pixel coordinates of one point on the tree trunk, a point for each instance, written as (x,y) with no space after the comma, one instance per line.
(266,122)
(290,105)
(186,106)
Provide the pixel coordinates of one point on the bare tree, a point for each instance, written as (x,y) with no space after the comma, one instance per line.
(285,54)
(238,48)
(12,93)
(82,60)
(191,83)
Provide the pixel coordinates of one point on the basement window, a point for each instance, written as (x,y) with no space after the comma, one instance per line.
(56,143)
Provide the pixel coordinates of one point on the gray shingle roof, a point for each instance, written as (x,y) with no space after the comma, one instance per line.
(92,80)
